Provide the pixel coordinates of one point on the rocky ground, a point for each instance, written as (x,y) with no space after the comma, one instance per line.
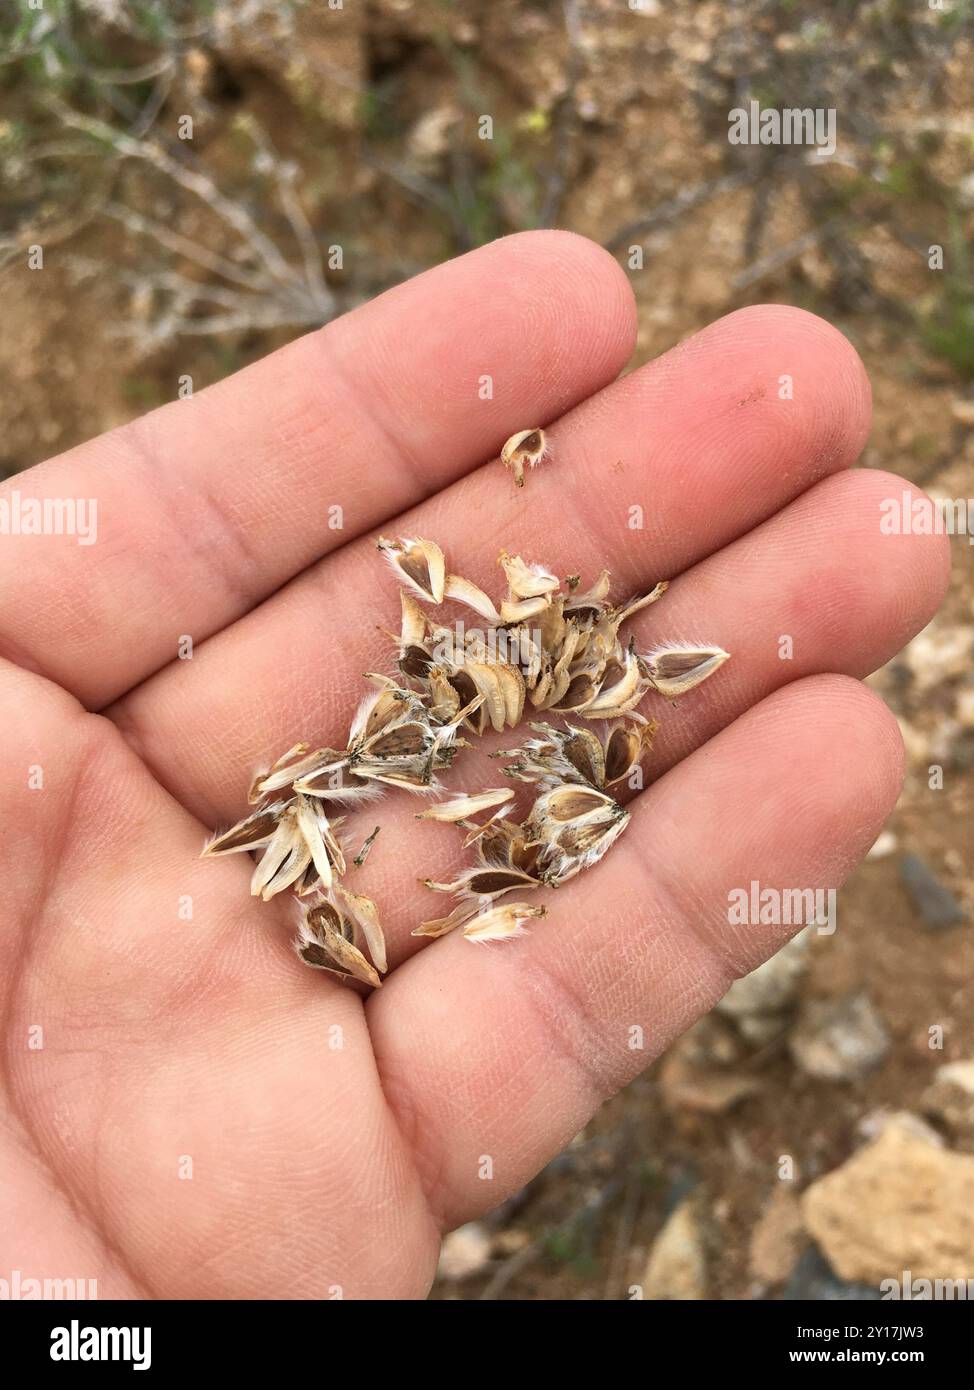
(815,1134)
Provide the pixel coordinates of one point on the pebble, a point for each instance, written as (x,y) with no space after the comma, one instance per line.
(932,899)
(677,1264)
(871,1126)
(813,1281)
(939,653)
(900,1203)
(709,1091)
(885,845)
(777,1238)
(839,1040)
(950,1098)
(464,1252)
(773,986)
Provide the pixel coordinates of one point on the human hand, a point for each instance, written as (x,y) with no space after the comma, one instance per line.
(177,1045)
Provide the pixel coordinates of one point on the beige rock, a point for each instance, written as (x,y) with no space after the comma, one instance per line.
(951,1098)
(884,845)
(772,986)
(962,411)
(871,1126)
(464,1252)
(939,653)
(677,1264)
(777,1239)
(900,1203)
(839,1040)
(710,1091)
(964,708)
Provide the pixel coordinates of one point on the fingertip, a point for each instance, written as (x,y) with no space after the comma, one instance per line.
(927,551)
(858,748)
(887,570)
(587,283)
(817,380)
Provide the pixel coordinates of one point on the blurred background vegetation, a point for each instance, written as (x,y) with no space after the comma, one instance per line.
(205,178)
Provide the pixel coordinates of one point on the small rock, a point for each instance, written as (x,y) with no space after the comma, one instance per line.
(761,1029)
(964,707)
(464,1252)
(898,1204)
(777,1239)
(884,846)
(814,1282)
(711,1042)
(772,986)
(950,1098)
(963,411)
(430,138)
(677,1265)
(839,1040)
(871,1126)
(686,1086)
(933,900)
(916,744)
(509,1242)
(939,653)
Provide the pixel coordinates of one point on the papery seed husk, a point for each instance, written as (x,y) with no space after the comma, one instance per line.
(420,563)
(624,613)
(520,610)
(323,947)
(526,581)
(619,685)
(257,791)
(572,802)
(413,630)
(444,700)
(316,832)
(464,804)
(441,926)
(585,753)
(283,861)
(364,916)
(503,921)
(513,691)
(625,747)
(526,448)
(463,591)
(251,833)
(367,844)
(478,831)
(676,669)
(402,741)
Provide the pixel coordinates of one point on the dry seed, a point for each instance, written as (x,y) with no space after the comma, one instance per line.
(559,648)
(525,449)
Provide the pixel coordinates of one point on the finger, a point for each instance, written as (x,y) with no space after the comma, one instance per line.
(199,1098)
(701,423)
(503,1052)
(211,503)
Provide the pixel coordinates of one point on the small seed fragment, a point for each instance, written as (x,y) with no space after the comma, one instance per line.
(524,449)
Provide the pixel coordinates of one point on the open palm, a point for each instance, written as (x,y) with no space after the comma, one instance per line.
(187,1111)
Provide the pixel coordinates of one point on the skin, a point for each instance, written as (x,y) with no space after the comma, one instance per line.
(316,1168)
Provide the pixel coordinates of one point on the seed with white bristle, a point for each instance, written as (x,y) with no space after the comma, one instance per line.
(526,448)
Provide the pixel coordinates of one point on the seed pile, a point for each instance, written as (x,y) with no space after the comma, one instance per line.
(547,645)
